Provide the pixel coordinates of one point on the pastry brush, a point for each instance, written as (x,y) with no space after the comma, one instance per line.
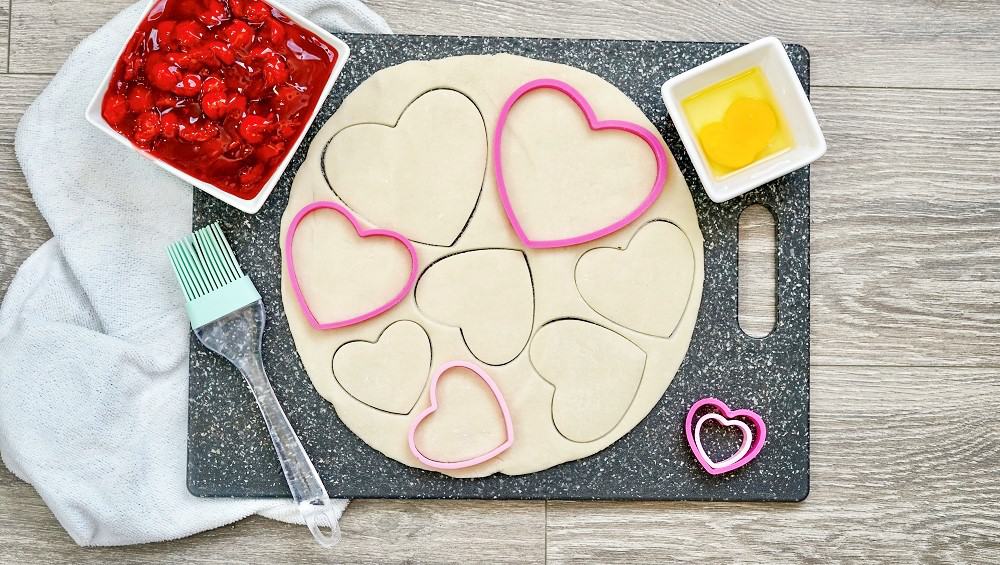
(227,316)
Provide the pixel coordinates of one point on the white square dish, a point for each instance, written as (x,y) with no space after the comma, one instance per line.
(253,205)
(769,55)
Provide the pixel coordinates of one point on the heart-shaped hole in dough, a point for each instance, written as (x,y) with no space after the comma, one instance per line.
(389,373)
(645,286)
(488,295)
(420,176)
(595,372)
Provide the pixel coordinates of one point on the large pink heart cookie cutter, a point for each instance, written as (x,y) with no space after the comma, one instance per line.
(753,439)
(362,232)
(651,139)
(497,394)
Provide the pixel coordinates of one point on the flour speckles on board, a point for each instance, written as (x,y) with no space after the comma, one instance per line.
(230,454)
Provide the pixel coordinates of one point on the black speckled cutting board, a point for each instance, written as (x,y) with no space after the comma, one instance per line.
(230,454)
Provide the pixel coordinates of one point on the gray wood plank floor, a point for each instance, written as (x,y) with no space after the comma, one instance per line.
(4,35)
(906,322)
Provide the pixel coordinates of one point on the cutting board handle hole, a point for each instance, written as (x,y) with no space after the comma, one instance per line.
(757,271)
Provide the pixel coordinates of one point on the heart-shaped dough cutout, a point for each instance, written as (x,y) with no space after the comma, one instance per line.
(488,295)
(421,176)
(471,422)
(595,372)
(389,373)
(644,287)
(548,151)
(324,236)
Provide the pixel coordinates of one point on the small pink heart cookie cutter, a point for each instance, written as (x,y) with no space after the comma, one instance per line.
(753,440)
(362,232)
(651,139)
(497,394)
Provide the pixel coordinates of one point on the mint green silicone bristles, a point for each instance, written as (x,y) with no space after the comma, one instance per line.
(213,282)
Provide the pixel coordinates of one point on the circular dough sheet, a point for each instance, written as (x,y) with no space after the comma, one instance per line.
(582,341)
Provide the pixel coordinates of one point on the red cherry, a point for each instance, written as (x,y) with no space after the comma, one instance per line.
(253,128)
(214,13)
(256,11)
(189,33)
(165,33)
(190,85)
(198,132)
(288,129)
(261,52)
(237,7)
(179,58)
(140,98)
(254,87)
(133,66)
(275,71)
(213,83)
(165,101)
(202,57)
(163,76)
(235,76)
(238,151)
(237,105)
(114,109)
(238,34)
(251,174)
(186,7)
(147,127)
(215,104)
(273,32)
(269,151)
(169,123)
(192,60)
(222,52)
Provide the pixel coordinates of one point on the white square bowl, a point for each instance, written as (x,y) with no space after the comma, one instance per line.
(808,143)
(251,206)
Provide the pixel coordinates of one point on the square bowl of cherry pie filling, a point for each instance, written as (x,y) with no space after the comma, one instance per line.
(219,92)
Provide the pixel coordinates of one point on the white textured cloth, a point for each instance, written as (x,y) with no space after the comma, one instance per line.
(93,334)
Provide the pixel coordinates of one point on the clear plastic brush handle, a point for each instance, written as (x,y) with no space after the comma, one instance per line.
(237,337)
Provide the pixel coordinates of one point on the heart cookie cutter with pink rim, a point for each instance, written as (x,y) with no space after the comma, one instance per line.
(362,232)
(753,439)
(651,139)
(497,394)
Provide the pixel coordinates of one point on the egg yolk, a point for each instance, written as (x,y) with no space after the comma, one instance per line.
(745,131)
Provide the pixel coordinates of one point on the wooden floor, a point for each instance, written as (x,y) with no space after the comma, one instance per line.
(906,301)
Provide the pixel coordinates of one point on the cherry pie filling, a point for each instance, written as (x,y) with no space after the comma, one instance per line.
(220,89)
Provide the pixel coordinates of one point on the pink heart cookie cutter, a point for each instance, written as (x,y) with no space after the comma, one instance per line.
(753,440)
(363,233)
(595,124)
(497,394)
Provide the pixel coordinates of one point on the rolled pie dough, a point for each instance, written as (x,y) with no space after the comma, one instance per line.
(582,341)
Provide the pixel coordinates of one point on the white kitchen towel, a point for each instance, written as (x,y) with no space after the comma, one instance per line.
(93,335)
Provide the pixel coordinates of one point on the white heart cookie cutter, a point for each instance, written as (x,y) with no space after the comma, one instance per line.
(743,450)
